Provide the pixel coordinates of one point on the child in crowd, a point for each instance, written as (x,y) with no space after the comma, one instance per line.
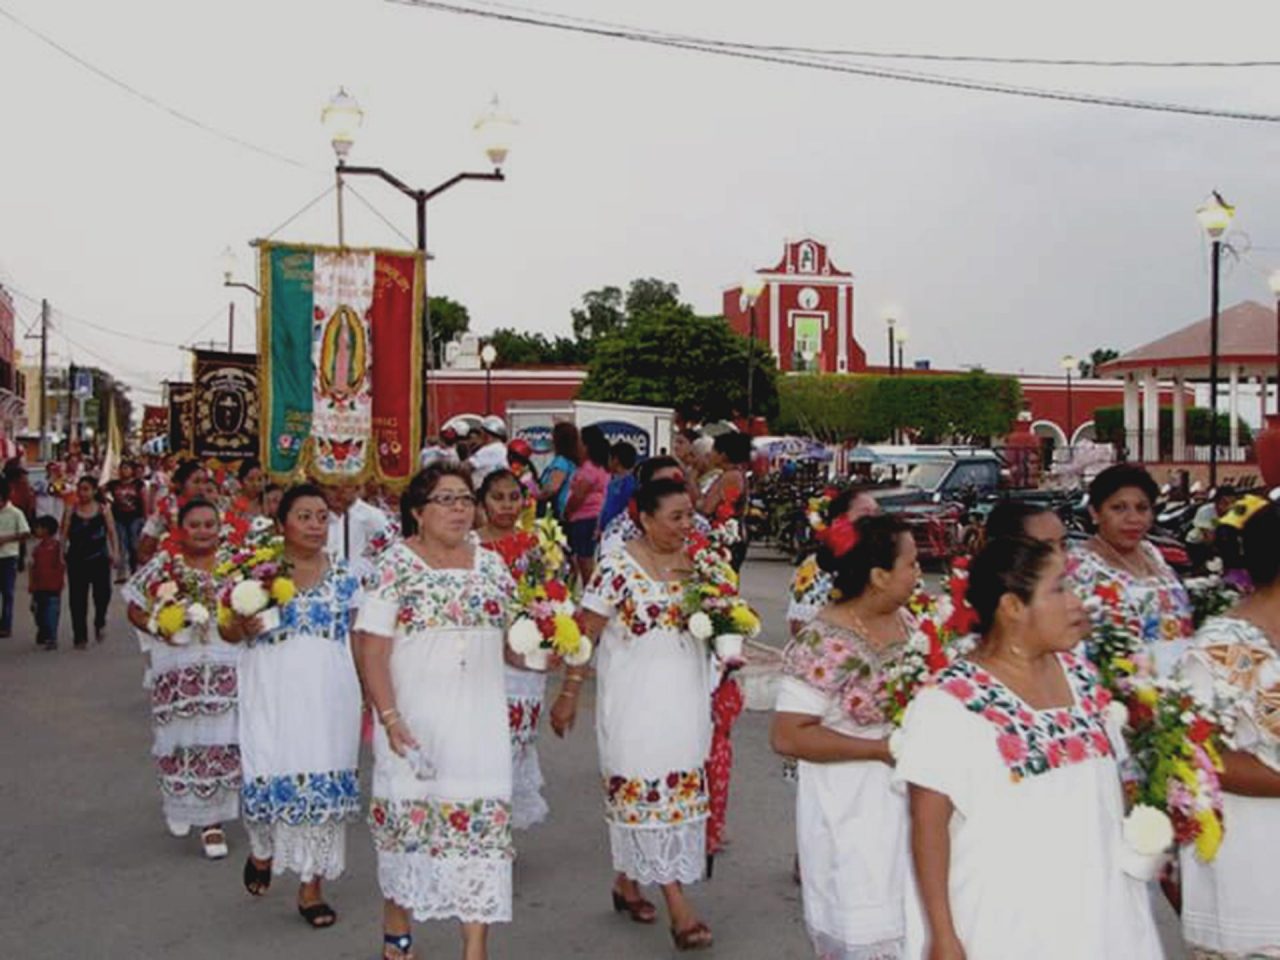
(45,581)
(13,531)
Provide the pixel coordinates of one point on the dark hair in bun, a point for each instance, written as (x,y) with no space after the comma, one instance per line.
(1262,545)
(1007,565)
(650,496)
(879,540)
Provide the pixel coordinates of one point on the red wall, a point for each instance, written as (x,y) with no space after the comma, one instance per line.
(463,391)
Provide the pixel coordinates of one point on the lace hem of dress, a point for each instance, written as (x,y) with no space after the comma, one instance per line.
(828,947)
(471,890)
(674,854)
(220,806)
(311,851)
(528,807)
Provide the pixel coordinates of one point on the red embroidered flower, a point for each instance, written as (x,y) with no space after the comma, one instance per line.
(459,820)
(996,716)
(1076,749)
(959,688)
(1012,748)
(1055,754)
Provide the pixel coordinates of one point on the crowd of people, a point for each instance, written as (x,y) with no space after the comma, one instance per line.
(981,819)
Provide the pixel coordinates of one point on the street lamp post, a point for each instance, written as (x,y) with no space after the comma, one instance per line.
(1274,282)
(751,291)
(901,336)
(890,322)
(228,259)
(1069,365)
(487,356)
(1215,216)
(343,117)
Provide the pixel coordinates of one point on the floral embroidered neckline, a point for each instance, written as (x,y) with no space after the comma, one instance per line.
(1031,741)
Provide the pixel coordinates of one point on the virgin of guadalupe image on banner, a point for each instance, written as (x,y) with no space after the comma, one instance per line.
(341,355)
(226,405)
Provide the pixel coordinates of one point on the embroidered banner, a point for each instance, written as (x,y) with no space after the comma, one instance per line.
(225,418)
(155,422)
(341,351)
(180,396)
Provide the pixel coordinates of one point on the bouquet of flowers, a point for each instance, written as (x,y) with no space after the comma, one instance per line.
(255,577)
(716,612)
(179,600)
(1174,791)
(1210,596)
(537,559)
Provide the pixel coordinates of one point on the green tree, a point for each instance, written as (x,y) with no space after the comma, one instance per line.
(1089,367)
(650,293)
(449,320)
(669,356)
(600,315)
(1108,427)
(518,348)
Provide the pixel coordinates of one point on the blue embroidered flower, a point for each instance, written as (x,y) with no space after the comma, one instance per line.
(304,798)
(289,618)
(319,615)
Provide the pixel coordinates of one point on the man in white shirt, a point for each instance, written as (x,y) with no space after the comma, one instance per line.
(358,531)
(493,455)
(13,530)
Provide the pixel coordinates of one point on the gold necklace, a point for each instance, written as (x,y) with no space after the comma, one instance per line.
(1143,569)
(654,558)
(864,631)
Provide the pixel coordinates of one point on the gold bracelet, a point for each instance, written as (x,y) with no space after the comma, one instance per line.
(574,677)
(571,694)
(389,712)
(388,724)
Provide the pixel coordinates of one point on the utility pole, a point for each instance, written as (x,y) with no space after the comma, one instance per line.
(231,327)
(44,379)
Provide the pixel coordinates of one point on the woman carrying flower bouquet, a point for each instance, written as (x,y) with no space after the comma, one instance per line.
(1122,577)
(172,600)
(187,483)
(431,654)
(652,713)
(299,703)
(1230,905)
(623,528)
(832,714)
(502,501)
(810,584)
(1016,806)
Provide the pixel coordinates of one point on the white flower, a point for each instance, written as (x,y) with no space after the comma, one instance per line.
(918,642)
(249,598)
(581,656)
(166,592)
(1148,831)
(1117,714)
(197,614)
(1214,565)
(700,626)
(524,637)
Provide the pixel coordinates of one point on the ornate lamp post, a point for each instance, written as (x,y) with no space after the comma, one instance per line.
(902,336)
(891,322)
(1215,216)
(488,354)
(343,117)
(1069,364)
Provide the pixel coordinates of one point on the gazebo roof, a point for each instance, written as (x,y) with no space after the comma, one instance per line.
(1246,340)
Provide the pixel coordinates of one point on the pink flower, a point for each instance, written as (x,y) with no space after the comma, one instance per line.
(1076,749)
(960,688)
(996,716)
(417,815)
(1055,754)
(1012,748)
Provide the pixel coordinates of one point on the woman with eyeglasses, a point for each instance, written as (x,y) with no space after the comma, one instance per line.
(432,653)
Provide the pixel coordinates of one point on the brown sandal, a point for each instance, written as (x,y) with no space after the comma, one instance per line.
(640,910)
(697,937)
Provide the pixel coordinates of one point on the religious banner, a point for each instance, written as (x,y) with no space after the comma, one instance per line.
(341,352)
(155,422)
(180,396)
(225,412)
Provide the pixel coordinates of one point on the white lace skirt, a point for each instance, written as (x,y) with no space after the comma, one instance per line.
(312,851)
(526,698)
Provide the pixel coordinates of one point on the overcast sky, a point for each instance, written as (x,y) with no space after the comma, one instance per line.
(1007,231)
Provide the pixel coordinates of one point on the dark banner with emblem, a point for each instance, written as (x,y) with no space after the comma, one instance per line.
(180,395)
(225,412)
(155,422)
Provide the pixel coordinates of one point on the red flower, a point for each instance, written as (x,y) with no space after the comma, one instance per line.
(936,658)
(459,820)
(1108,593)
(1200,730)
(960,688)
(1101,745)
(841,536)
(1011,747)
(1076,749)
(996,716)
(1140,715)
(556,591)
(1055,754)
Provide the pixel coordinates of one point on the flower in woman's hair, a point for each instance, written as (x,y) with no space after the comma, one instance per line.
(581,656)
(700,626)
(249,598)
(1147,830)
(197,614)
(524,637)
(841,536)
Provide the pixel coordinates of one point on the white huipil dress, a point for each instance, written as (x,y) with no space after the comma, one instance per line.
(444,844)
(526,694)
(300,731)
(1232,905)
(851,825)
(653,723)
(194,692)
(1036,834)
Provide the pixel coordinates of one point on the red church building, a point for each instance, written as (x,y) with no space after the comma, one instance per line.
(804,312)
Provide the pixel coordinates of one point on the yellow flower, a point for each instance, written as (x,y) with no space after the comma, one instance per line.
(1148,695)
(567,636)
(224,616)
(1182,770)
(1210,838)
(282,590)
(1214,757)
(1124,664)
(744,620)
(263,554)
(224,569)
(171,619)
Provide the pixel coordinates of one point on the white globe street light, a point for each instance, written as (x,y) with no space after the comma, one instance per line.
(495,128)
(342,117)
(228,261)
(1215,216)
(488,355)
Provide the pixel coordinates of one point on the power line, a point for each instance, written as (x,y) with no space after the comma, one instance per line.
(378,213)
(897,54)
(718,49)
(146,97)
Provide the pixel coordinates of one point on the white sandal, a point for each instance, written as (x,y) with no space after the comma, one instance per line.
(177,828)
(215,843)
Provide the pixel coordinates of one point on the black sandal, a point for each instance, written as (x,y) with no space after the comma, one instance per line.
(640,910)
(257,880)
(318,915)
(401,943)
(697,937)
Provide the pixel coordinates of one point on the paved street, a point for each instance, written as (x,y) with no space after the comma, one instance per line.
(89,870)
